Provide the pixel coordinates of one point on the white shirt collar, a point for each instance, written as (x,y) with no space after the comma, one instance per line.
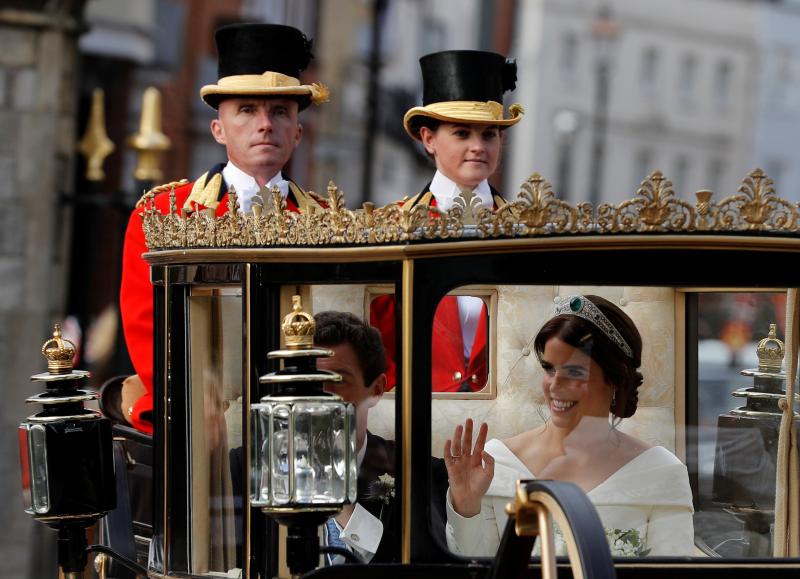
(445,190)
(247,188)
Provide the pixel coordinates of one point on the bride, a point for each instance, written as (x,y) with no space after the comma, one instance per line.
(590,353)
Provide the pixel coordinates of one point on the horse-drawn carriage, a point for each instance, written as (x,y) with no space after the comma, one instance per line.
(702,281)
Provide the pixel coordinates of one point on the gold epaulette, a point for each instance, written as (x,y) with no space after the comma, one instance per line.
(320,200)
(205,194)
(306,198)
(159,189)
(418,199)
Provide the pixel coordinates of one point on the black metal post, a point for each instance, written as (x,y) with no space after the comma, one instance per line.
(371,126)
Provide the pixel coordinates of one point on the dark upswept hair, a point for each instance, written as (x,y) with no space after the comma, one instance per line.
(336,328)
(618,369)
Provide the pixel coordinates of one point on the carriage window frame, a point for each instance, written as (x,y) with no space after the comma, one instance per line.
(687,379)
(211,292)
(489,294)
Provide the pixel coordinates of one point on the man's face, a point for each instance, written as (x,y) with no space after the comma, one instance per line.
(352,387)
(259,134)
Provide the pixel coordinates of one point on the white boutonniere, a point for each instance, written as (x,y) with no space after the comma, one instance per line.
(382,489)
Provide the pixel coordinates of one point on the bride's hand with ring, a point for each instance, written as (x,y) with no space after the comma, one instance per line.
(469,468)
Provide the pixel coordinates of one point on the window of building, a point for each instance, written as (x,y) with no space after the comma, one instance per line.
(681,175)
(687,79)
(775,170)
(716,170)
(723,95)
(643,166)
(648,75)
(568,58)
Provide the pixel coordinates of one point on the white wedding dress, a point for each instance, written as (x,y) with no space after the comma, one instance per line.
(649,494)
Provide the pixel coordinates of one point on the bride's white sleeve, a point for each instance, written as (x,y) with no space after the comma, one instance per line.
(670,532)
(472,536)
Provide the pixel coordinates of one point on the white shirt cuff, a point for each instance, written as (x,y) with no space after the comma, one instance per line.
(363,533)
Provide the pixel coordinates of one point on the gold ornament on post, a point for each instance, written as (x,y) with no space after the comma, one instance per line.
(149,142)
(58,353)
(95,144)
(770,352)
(298,327)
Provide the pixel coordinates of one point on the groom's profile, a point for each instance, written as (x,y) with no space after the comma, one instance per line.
(366,527)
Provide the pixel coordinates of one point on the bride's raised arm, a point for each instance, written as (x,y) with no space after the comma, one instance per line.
(469,468)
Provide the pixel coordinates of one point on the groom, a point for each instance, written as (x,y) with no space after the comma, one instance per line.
(367,527)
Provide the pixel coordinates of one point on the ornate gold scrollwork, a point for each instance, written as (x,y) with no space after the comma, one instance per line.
(535,211)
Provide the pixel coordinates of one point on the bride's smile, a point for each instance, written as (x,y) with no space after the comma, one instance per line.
(573,384)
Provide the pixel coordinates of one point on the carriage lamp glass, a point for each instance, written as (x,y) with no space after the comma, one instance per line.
(304,452)
(303,438)
(33,457)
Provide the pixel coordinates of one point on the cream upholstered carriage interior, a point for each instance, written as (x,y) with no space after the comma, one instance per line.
(518,404)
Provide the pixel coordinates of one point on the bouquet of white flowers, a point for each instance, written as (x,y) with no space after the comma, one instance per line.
(622,543)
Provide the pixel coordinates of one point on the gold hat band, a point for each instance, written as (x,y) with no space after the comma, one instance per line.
(269,83)
(488,112)
(250,81)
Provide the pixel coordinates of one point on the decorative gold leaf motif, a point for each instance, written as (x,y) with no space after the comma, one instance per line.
(757,207)
(535,211)
(655,208)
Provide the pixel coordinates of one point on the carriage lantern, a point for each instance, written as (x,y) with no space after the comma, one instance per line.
(66,456)
(304,467)
(747,444)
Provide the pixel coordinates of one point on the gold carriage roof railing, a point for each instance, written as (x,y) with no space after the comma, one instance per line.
(535,211)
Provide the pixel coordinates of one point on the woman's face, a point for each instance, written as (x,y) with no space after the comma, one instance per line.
(466,154)
(574,385)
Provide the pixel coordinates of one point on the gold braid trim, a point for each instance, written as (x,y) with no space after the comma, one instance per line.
(159,189)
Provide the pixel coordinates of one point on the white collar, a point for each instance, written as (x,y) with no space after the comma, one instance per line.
(246,186)
(445,190)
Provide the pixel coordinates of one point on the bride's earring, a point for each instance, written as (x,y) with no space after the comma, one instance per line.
(613,400)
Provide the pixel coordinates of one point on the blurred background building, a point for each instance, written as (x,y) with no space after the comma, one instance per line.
(704,90)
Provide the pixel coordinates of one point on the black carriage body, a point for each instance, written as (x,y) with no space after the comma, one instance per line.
(420,275)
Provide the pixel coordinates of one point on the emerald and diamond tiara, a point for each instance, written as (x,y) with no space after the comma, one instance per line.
(582,307)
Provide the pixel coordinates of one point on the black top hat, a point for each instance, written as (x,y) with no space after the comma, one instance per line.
(262,60)
(465,86)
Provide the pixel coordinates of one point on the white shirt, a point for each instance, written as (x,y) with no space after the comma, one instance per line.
(247,190)
(363,531)
(470,309)
(445,190)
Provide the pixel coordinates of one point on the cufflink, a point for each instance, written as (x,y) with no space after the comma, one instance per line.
(355,538)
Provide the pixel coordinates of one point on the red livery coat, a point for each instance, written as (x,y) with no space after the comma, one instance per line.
(136,291)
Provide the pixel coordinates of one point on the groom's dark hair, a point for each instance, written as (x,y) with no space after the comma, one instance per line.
(336,328)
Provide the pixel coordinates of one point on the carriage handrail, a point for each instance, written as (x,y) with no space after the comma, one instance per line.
(539,503)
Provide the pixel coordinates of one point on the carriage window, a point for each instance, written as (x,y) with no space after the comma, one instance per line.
(216,482)
(739,385)
(464,340)
(635,395)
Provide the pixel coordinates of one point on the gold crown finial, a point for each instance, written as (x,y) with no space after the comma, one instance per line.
(58,353)
(770,352)
(298,327)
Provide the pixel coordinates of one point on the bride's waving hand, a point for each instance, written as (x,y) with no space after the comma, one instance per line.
(469,468)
